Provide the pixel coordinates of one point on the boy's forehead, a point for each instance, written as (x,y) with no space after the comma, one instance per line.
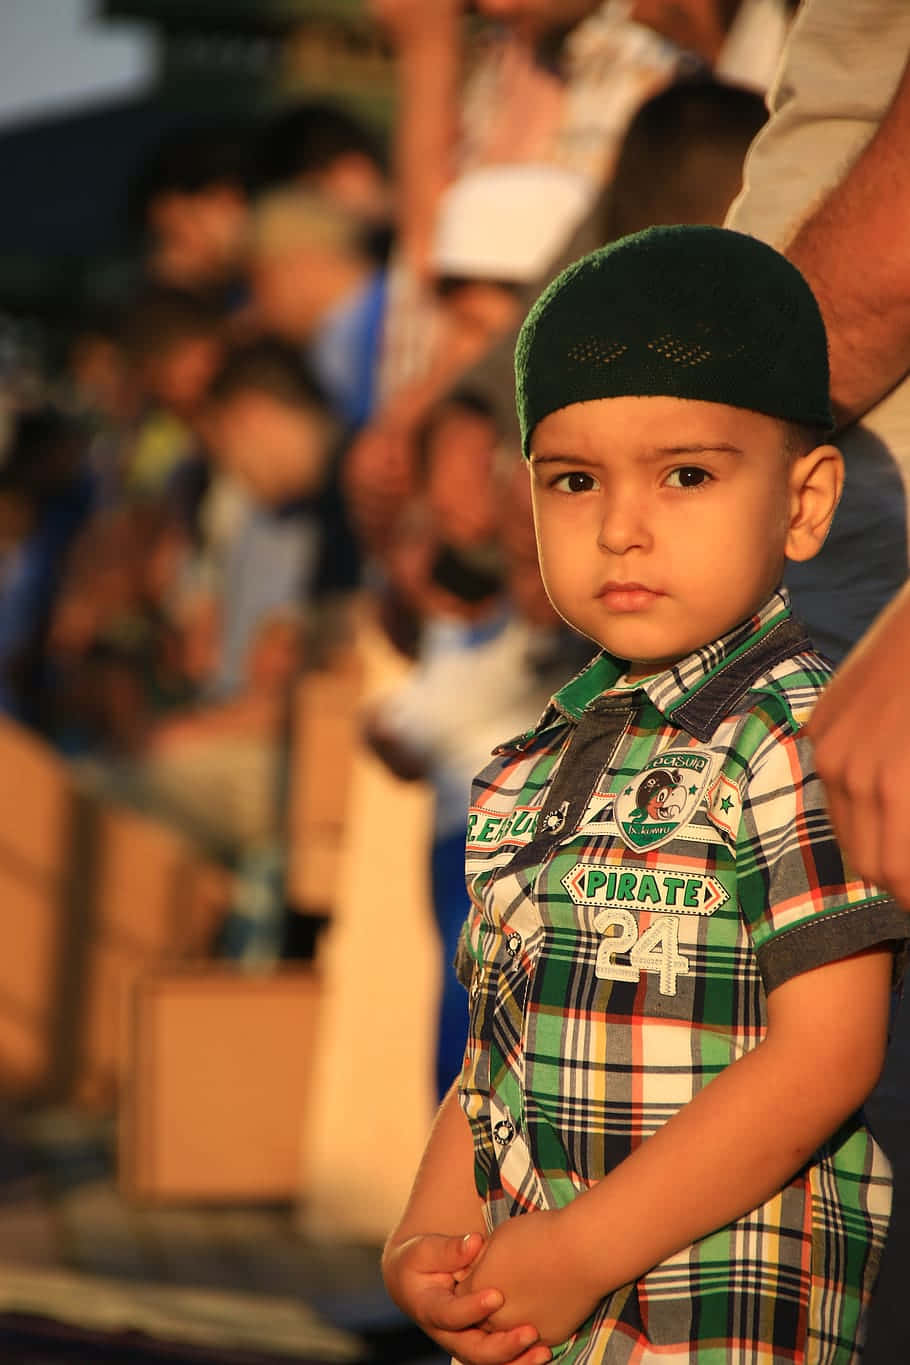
(264,408)
(649,422)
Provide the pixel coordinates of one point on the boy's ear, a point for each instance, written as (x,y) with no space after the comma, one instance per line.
(816,481)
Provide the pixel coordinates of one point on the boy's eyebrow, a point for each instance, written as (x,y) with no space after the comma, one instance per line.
(659,452)
(701,448)
(560,459)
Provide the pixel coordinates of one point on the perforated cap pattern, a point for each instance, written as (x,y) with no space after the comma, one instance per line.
(687,312)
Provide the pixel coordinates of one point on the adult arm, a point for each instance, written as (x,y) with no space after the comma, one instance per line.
(758,1122)
(853,251)
(856,730)
(427,40)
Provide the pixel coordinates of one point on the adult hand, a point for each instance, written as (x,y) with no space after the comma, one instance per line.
(422,1275)
(862,753)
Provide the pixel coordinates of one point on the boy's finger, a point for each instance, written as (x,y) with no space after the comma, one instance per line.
(433,1255)
(511,1348)
(456,1253)
(451,1314)
(518,1346)
(470,1247)
(537,1355)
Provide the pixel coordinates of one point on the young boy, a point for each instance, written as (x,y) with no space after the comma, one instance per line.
(677,1007)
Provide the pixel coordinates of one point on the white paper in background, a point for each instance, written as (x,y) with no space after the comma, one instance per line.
(57,53)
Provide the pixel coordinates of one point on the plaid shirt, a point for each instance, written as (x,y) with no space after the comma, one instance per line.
(644,867)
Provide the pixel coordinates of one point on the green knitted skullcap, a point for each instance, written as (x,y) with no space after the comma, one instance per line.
(686,312)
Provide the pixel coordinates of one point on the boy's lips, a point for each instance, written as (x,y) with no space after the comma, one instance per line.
(628,596)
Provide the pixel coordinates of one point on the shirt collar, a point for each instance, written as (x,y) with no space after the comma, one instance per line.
(670,688)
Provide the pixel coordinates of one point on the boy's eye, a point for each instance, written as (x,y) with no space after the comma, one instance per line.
(687,477)
(576,481)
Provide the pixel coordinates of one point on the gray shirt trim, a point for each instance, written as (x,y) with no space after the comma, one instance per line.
(831,937)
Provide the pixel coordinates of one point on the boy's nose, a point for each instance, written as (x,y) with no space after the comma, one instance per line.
(623,524)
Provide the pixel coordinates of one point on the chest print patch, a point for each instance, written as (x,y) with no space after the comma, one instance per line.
(725,805)
(667,893)
(673,890)
(486,831)
(655,803)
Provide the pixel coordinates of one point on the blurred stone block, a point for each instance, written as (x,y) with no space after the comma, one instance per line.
(216,1083)
(325,730)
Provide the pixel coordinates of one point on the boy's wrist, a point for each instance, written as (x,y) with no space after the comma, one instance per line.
(584,1246)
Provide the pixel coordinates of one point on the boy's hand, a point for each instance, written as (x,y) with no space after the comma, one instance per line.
(529,1259)
(422,1276)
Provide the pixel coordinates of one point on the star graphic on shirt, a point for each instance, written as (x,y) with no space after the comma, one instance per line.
(726,804)
(628,791)
(692,790)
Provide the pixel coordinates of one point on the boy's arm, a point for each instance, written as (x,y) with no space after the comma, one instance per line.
(437,1238)
(736,1143)
(444,1197)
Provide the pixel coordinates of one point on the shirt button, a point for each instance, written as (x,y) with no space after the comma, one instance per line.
(513,944)
(503,1132)
(476,982)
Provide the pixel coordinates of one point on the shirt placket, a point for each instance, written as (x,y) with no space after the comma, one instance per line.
(589,751)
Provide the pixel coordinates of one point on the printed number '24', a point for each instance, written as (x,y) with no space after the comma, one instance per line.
(656,949)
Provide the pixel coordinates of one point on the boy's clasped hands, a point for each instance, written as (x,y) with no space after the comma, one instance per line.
(497,1301)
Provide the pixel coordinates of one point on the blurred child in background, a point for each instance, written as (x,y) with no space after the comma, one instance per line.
(488,655)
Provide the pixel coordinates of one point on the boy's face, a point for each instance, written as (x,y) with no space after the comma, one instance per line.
(293,286)
(283,288)
(460,490)
(662,522)
(479,312)
(198,237)
(279,451)
(180,373)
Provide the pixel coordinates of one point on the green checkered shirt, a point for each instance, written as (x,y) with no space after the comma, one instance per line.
(644,867)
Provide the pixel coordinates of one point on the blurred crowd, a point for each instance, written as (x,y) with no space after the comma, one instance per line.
(305,409)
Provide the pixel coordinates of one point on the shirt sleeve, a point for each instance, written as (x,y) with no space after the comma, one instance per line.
(802,905)
(464,960)
(823,110)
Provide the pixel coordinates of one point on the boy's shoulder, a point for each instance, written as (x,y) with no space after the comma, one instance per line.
(772,707)
(786,693)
